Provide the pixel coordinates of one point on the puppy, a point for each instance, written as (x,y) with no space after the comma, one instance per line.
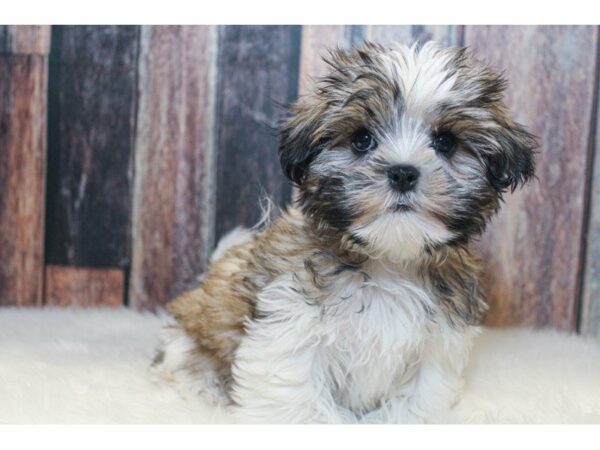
(359,304)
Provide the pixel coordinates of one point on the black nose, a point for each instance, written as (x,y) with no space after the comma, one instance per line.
(403,178)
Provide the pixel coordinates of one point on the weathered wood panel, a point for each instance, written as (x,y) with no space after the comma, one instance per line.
(173,208)
(25,39)
(316,41)
(590,301)
(533,248)
(250,87)
(92,98)
(408,34)
(23,79)
(82,286)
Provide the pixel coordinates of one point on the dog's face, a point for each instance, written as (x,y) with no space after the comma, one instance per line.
(403,150)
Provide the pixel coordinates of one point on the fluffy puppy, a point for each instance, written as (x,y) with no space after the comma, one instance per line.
(360,303)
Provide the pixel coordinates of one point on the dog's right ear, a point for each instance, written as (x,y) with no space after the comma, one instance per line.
(299,141)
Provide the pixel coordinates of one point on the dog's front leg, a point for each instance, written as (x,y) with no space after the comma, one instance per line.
(435,388)
(278,373)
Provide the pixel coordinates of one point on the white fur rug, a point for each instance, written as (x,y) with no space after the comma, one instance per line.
(90,366)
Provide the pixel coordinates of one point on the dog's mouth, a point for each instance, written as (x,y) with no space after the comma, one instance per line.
(401,207)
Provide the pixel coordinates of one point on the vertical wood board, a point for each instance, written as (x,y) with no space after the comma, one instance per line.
(173,208)
(258,74)
(590,306)
(92,100)
(532,249)
(23,80)
(25,39)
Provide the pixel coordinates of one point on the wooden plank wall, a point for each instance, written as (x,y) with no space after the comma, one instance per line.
(173,209)
(248,167)
(533,249)
(162,138)
(91,111)
(589,315)
(23,79)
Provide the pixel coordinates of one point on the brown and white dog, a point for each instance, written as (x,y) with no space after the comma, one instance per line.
(359,303)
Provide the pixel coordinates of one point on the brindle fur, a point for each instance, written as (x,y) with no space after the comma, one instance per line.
(215,313)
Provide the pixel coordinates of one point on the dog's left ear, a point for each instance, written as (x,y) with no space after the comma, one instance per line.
(509,148)
(299,142)
(513,164)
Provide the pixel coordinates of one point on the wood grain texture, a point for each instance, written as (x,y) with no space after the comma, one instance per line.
(250,89)
(23,80)
(445,35)
(173,208)
(590,301)
(25,39)
(532,250)
(92,99)
(316,41)
(82,286)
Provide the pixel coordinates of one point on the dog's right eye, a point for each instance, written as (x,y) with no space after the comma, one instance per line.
(363,141)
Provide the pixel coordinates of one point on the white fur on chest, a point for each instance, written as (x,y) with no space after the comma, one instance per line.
(361,345)
(375,334)
(373,347)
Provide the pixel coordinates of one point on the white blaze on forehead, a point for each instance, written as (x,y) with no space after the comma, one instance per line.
(423,76)
(407,141)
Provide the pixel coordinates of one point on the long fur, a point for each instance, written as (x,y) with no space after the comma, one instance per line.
(359,304)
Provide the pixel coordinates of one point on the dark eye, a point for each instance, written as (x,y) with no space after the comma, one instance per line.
(363,141)
(444,143)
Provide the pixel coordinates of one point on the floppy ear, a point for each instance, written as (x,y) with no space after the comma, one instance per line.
(513,164)
(509,147)
(298,140)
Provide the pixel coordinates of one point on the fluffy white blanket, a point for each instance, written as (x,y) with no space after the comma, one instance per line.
(90,366)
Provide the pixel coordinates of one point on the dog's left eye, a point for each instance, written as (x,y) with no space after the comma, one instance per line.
(444,143)
(363,141)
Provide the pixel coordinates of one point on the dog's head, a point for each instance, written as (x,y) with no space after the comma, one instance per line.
(403,150)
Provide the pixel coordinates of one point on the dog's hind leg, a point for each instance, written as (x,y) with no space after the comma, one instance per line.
(181,362)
